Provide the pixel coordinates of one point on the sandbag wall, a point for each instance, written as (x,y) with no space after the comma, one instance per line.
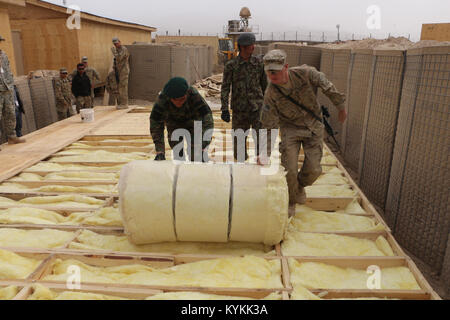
(359,76)
(380,124)
(417,205)
(151,66)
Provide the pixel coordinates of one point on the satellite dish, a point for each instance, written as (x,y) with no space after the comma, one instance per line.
(245,13)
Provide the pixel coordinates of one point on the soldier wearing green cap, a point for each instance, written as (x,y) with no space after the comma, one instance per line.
(291,104)
(178,107)
(63,94)
(244,76)
(122,68)
(7,109)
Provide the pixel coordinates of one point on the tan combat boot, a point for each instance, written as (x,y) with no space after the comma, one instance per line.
(301,196)
(15,140)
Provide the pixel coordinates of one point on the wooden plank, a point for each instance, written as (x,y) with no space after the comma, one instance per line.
(15,158)
(115,149)
(27,194)
(71,183)
(328,203)
(98,229)
(235,292)
(381,294)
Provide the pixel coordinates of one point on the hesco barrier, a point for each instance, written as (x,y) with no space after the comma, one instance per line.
(44,104)
(151,66)
(335,64)
(298,55)
(418,204)
(28,120)
(261,50)
(380,124)
(359,76)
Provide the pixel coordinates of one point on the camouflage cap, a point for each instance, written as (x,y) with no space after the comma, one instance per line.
(84,59)
(115,40)
(275,60)
(63,70)
(2,39)
(246,39)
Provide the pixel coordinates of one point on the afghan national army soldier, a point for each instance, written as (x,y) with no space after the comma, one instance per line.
(63,94)
(245,77)
(122,68)
(81,89)
(112,88)
(7,109)
(291,104)
(187,117)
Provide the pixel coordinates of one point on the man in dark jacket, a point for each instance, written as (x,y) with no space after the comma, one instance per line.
(81,89)
(18,104)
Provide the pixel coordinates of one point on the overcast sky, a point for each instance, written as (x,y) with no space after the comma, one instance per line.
(397,17)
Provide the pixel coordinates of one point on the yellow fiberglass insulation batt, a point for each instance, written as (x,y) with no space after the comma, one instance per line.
(101,217)
(14,266)
(47,238)
(313,275)
(260,205)
(8,293)
(316,244)
(17,187)
(309,220)
(89,240)
(246,272)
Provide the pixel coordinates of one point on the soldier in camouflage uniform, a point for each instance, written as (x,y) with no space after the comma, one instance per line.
(122,67)
(177,107)
(112,88)
(63,94)
(7,109)
(92,75)
(299,128)
(245,77)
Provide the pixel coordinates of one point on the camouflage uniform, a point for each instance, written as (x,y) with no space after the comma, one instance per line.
(63,94)
(122,56)
(248,82)
(7,109)
(298,127)
(166,114)
(112,88)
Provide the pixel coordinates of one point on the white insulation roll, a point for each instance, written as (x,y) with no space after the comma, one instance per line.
(260,205)
(165,202)
(146,191)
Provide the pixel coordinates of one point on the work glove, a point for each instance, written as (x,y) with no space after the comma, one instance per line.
(160,157)
(226,116)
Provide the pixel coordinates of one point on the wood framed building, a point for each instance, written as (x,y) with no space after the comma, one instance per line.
(38,37)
